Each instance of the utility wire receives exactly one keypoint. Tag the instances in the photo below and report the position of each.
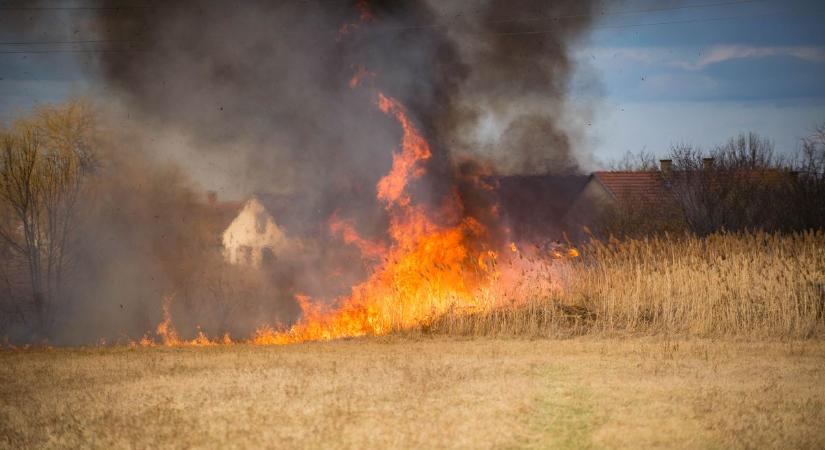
(638, 11)
(513, 33)
(670, 22)
(71, 8)
(91, 41)
(9, 52)
(97, 8)
(602, 14)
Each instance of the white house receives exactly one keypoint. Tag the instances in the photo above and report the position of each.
(253, 238)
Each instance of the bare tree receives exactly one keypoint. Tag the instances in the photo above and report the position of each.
(635, 162)
(808, 190)
(43, 161)
(737, 186)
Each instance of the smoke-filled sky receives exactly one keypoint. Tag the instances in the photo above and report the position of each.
(645, 73)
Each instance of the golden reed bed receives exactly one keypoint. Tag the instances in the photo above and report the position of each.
(755, 284)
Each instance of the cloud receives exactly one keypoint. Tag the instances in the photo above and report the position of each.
(722, 53)
(693, 59)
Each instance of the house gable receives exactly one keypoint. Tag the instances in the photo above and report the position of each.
(253, 237)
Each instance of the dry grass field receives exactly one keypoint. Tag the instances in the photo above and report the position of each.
(758, 285)
(653, 343)
(420, 393)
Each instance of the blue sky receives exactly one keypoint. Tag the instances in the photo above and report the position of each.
(695, 71)
(705, 73)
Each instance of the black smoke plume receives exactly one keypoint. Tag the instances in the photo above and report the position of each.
(270, 81)
(280, 97)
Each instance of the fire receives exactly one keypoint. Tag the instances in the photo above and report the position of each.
(407, 164)
(368, 249)
(427, 269)
(169, 337)
(361, 74)
(364, 16)
(438, 258)
(165, 329)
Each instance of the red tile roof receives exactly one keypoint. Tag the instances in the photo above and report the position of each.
(647, 188)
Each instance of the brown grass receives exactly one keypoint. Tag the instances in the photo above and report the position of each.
(752, 285)
(431, 393)
(670, 383)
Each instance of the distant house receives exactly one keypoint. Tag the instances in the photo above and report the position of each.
(643, 189)
(665, 199)
(534, 206)
(253, 238)
(267, 225)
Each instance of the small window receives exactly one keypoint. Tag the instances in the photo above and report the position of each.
(267, 257)
(260, 223)
(246, 251)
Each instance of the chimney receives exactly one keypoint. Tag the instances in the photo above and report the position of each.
(212, 198)
(707, 163)
(665, 165)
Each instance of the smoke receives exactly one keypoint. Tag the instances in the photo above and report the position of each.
(511, 104)
(280, 97)
(269, 82)
(265, 92)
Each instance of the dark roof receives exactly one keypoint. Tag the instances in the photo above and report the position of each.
(295, 215)
(223, 213)
(534, 205)
(553, 193)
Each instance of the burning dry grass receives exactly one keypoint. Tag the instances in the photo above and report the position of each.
(724, 285)
(433, 393)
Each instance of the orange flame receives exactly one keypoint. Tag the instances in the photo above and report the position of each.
(427, 269)
(405, 165)
(364, 15)
(361, 74)
(169, 336)
(368, 249)
(165, 329)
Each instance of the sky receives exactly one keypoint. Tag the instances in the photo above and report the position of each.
(651, 73)
(701, 71)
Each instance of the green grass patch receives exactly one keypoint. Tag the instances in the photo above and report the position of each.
(562, 416)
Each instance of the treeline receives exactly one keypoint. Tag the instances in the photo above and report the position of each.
(741, 185)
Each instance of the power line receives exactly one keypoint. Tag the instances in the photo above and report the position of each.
(632, 12)
(638, 11)
(91, 41)
(513, 33)
(591, 16)
(671, 22)
(98, 8)
(72, 8)
(9, 52)
(570, 16)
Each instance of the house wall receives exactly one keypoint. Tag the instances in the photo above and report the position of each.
(252, 235)
(593, 199)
